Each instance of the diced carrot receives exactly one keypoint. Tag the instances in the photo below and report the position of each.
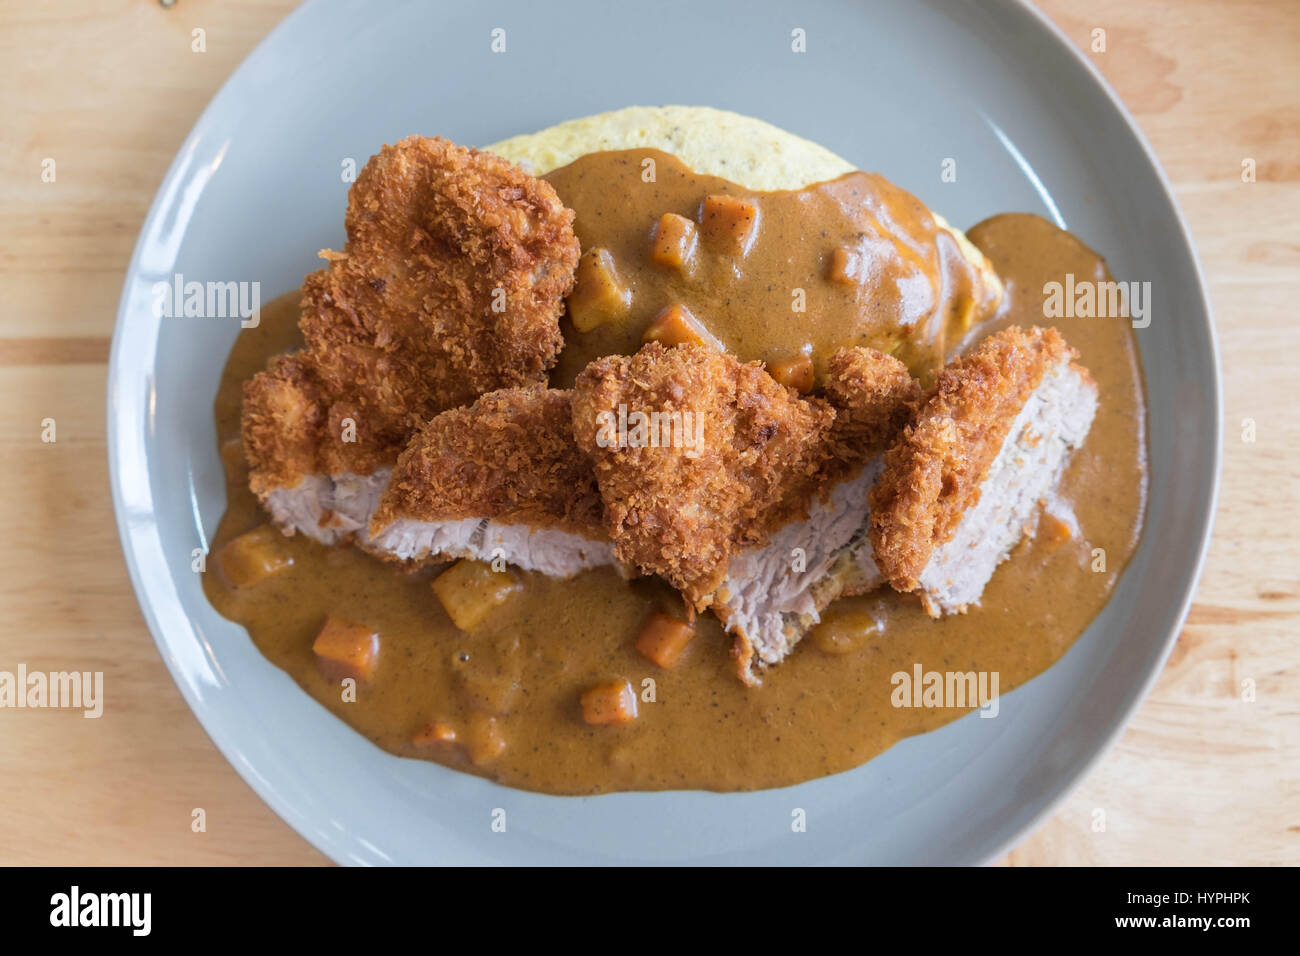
(844, 631)
(674, 242)
(675, 325)
(344, 649)
(468, 590)
(437, 733)
(598, 295)
(610, 702)
(253, 557)
(797, 373)
(663, 638)
(729, 223)
(484, 741)
(845, 266)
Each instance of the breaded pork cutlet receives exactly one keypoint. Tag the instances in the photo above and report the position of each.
(451, 284)
(991, 441)
(765, 522)
(691, 449)
(501, 478)
(300, 479)
(816, 547)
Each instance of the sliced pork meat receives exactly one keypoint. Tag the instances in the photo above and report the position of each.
(764, 521)
(691, 450)
(818, 548)
(500, 479)
(774, 594)
(329, 508)
(961, 487)
(451, 284)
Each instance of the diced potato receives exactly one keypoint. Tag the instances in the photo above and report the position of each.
(435, 734)
(610, 702)
(675, 325)
(488, 673)
(845, 266)
(963, 312)
(344, 649)
(253, 557)
(844, 632)
(484, 741)
(620, 755)
(729, 223)
(674, 242)
(796, 373)
(1055, 532)
(232, 457)
(598, 295)
(468, 590)
(663, 638)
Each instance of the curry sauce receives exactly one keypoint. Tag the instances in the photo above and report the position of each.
(512, 686)
(852, 261)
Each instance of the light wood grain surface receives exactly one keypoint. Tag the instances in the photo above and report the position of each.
(109, 88)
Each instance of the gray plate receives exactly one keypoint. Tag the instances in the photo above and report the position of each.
(895, 87)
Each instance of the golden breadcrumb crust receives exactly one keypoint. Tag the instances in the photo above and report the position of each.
(872, 396)
(283, 417)
(451, 284)
(509, 456)
(933, 474)
(681, 512)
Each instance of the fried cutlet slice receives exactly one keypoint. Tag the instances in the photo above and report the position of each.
(991, 441)
(501, 478)
(287, 420)
(764, 521)
(451, 284)
(817, 548)
(691, 450)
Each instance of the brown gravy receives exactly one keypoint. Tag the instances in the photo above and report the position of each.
(919, 296)
(817, 713)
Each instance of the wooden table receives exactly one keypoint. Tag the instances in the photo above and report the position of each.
(109, 89)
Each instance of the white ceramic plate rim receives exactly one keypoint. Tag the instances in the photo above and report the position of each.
(1120, 721)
